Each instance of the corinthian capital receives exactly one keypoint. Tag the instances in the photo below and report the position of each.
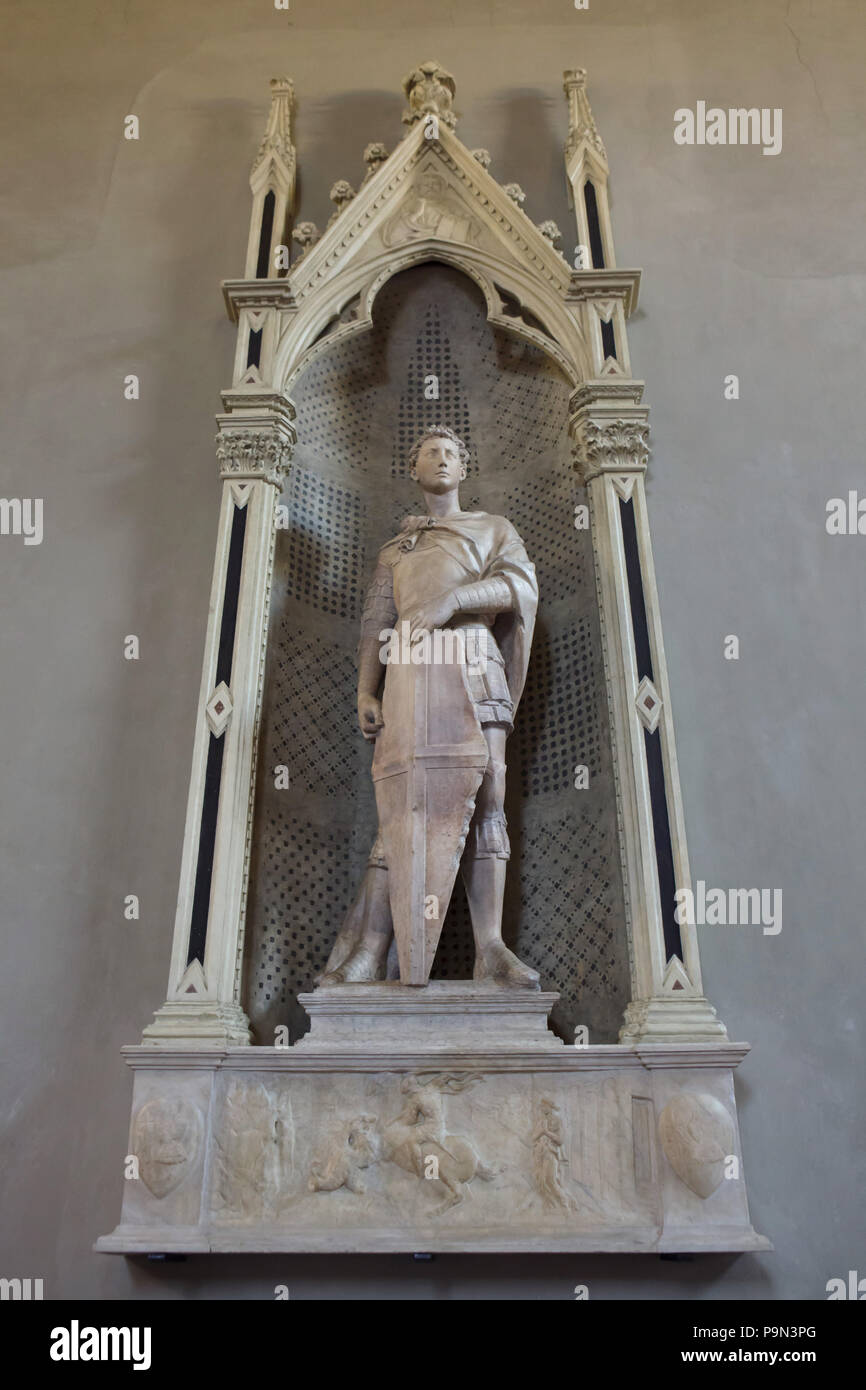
(261, 454)
(613, 445)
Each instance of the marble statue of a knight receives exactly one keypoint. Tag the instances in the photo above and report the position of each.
(440, 728)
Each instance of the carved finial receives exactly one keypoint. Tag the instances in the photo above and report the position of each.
(429, 91)
(483, 157)
(515, 193)
(306, 234)
(550, 231)
(342, 194)
(581, 122)
(277, 143)
(374, 157)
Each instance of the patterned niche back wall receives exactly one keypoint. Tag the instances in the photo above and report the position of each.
(359, 410)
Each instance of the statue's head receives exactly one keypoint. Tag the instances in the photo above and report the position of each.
(438, 460)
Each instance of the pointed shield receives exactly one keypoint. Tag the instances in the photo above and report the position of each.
(166, 1138)
(428, 765)
(697, 1135)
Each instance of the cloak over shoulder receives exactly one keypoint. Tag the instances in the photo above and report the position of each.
(480, 546)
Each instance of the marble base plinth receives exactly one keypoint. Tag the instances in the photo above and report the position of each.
(383, 1131)
(444, 1016)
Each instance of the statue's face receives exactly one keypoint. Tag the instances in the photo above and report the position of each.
(438, 468)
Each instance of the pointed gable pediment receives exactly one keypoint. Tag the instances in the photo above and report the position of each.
(431, 191)
(431, 199)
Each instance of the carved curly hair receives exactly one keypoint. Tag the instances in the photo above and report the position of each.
(438, 432)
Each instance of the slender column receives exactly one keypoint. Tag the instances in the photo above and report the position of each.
(254, 446)
(609, 428)
(610, 431)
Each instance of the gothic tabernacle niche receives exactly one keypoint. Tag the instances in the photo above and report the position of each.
(576, 1095)
(359, 410)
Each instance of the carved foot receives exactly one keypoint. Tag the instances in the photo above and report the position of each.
(362, 967)
(452, 1200)
(497, 964)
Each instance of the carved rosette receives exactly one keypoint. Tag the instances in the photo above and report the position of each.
(254, 454)
(615, 445)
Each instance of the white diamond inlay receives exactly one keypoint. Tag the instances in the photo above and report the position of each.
(218, 709)
(648, 704)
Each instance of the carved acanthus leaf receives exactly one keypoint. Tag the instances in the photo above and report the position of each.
(612, 444)
(515, 193)
(341, 195)
(254, 454)
(306, 234)
(550, 231)
(374, 157)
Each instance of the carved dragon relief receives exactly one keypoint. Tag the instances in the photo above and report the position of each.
(395, 1150)
(416, 1141)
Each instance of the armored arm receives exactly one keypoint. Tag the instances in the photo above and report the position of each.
(380, 612)
(487, 596)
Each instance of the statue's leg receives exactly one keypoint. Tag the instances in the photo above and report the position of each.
(484, 865)
(361, 950)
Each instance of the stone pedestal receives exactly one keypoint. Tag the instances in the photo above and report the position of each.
(446, 1016)
(447, 1118)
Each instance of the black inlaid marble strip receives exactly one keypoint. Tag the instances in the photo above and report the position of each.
(595, 244)
(608, 339)
(206, 844)
(654, 759)
(254, 348)
(639, 624)
(230, 597)
(216, 746)
(262, 266)
(664, 848)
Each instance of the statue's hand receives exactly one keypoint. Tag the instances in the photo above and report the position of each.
(430, 615)
(370, 716)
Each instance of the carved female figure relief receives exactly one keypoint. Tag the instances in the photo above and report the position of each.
(453, 599)
(548, 1157)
